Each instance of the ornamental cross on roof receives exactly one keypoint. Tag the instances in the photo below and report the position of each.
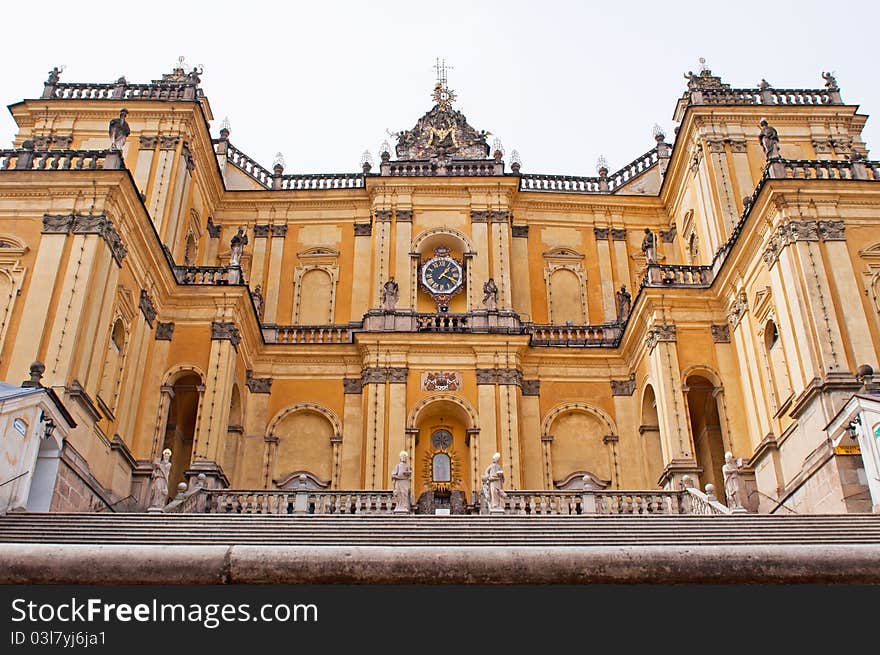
(443, 95)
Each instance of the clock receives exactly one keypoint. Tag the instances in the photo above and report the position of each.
(441, 439)
(441, 275)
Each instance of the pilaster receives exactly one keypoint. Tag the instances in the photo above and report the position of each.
(606, 277)
(270, 311)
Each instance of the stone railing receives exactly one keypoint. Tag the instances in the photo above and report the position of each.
(697, 502)
(311, 334)
(676, 275)
(601, 184)
(824, 169)
(767, 96)
(207, 275)
(39, 160)
(443, 322)
(318, 181)
(638, 502)
(247, 165)
(454, 167)
(556, 503)
(350, 502)
(114, 91)
(586, 336)
(225, 501)
(192, 500)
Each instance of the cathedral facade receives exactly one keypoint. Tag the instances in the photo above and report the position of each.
(715, 301)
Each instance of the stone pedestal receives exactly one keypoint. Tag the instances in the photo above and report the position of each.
(214, 476)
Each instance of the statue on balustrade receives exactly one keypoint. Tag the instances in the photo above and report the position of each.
(624, 304)
(119, 131)
(239, 241)
(769, 140)
(732, 481)
(830, 81)
(495, 493)
(257, 295)
(400, 482)
(649, 246)
(490, 294)
(159, 480)
(54, 76)
(390, 293)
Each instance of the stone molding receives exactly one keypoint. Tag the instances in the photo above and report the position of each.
(98, 224)
(225, 330)
(623, 387)
(499, 376)
(499, 216)
(352, 385)
(164, 331)
(519, 230)
(404, 216)
(383, 215)
(531, 387)
(257, 385)
(602, 233)
(148, 142)
(618, 234)
(363, 229)
(146, 306)
(188, 157)
(382, 374)
(794, 231)
(721, 333)
(168, 142)
(660, 332)
(668, 236)
(278, 231)
(261, 231)
(479, 216)
(213, 230)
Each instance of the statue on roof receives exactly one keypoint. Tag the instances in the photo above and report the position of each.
(769, 138)
(830, 82)
(54, 76)
(119, 131)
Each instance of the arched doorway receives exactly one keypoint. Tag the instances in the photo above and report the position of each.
(183, 411)
(443, 461)
(706, 429)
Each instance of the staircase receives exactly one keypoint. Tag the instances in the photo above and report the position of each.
(217, 548)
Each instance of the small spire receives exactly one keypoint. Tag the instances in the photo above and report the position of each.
(366, 162)
(385, 151)
(602, 166)
(224, 128)
(37, 369)
(278, 163)
(659, 133)
(515, 161)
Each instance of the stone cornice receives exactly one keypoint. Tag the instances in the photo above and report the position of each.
(225, 330)
(383, 374)
(98, 224)
(147, 308)
(660, 332)
(257, 385)
(623, 387)
(499, 376)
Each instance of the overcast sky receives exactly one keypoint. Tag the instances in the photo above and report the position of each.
(561, 82)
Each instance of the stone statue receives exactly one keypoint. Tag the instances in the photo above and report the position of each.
(159, 480)
(257, 295)
(732, 482)
(624, 304)
(830, 82)
(400, 482)
(490, 294)
(54, 76)
(236, 247)
(649, 246)
(390, 294)
(769, 140)
(119, 131)
(495, 485)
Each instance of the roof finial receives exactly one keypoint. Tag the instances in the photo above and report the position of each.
(703, 67)
(442, 95)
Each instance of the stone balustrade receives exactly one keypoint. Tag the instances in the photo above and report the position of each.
(443, 322)
(638, 502)
(601, 184)
(207, 275)
(38, 160)
(823, 169)
(248, 166)
(697, 502)
(318, 181)
(454, 167)
(767, 96)
(116, 91)
(586, 336)
(409, 168)
(350, 502)
(556, 503)
(633, 169)
(678, 276)
(310, 334)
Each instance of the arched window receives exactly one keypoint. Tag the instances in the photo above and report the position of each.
(113, 364)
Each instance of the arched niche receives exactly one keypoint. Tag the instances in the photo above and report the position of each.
(579, 439)
(461, 247)
(304, 439)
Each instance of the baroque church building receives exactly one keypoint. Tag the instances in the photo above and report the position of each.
(696, 331)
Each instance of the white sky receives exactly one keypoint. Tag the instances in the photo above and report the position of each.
(560, 81)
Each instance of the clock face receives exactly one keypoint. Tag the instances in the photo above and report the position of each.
(442, 275)
(441, 439)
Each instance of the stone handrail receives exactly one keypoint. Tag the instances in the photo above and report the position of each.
(350, 502)
(39, 160)
(114, 91)
(767, 96)
(248, 166)
(601, 184)
(223, 501)
(207, 275)
(454, 167)
(443, 322)
(557, 503)
(318, 181)
(311, 334)
(607, 334)
(639, 502)
(677, 276)
(697, 502)
(409, 168)
(191, 501)
(824, 169)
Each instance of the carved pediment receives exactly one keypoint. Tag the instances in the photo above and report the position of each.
(318, 252)
(442, 132)
(562, 253)
(575, 481)
(301, 480)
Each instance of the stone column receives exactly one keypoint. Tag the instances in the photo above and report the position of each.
(402, 269)
(270, 311)
(353, 427)
(374, 379)
(166, 395)
(396, 437)
(606, 278)
(626, 415)
(133, 380)
(175, 235)
(163, 180)
(508, 396)
(336, 467)
(530, 424)
(382, 249)
(621, 260)
(500, 257)
(723, 183)
(146, 153)
(547, 461)
(360, 286)
(739, 152)
(490, 441)
(258, 260)
(472, 440)
(478, 266)
(521, 292)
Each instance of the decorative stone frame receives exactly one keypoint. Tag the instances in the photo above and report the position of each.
(12, 250)
(871, 275)
(463, 242)
(547, 437)
(559, 259)
(320, 258)
(335, 440)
